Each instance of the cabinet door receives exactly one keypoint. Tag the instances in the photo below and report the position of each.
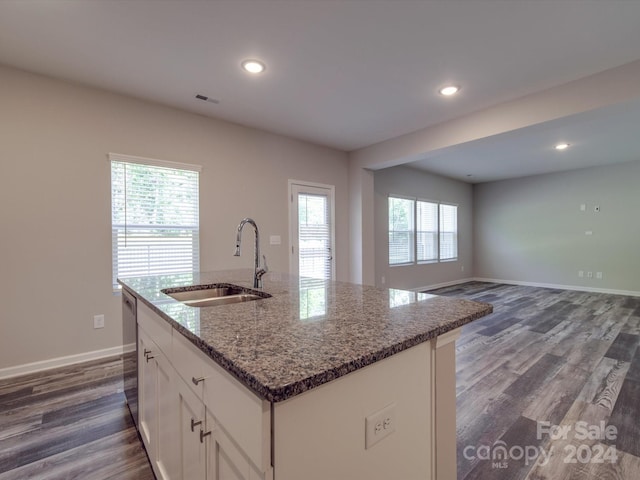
(166, 420)
(224, 460)
(157, 408)
(147, 387)
(191, 457)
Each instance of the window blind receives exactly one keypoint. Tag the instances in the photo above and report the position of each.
(421, 231)
(427, 231)
(448, 232)
(401, 230)
(154, 218)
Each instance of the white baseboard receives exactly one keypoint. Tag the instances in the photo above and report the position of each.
(442, 285)
(42, 365)
(579, 288)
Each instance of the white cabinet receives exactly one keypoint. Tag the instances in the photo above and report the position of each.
(200, 423)
(236, 429)
(196, 421)
(147, 381)
(157, 407)
(225, 460)
(191, 438)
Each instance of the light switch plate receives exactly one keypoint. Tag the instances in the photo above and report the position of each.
(275, 240)
(98, 321)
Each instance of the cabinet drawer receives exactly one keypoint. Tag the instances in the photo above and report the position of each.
(189, 363)
(157, 328)
(241, 413)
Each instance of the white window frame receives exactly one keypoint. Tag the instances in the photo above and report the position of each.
(415, 260)
(117, 157)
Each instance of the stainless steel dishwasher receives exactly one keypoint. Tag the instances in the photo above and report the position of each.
(130, 355)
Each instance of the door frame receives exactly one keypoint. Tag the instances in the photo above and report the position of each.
(293, 221)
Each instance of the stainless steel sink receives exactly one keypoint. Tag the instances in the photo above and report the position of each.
(215, 294)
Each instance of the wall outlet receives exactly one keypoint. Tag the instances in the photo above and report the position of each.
(599, 275)
(383, 280)
(589, 274)
(462, 268)
(98, 321)
(581, 273)
(379, 425)
(589, 232)
(583, 207)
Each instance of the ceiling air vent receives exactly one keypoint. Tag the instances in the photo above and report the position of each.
(207, 99)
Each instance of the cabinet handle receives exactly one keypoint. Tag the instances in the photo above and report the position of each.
(194, 423)
(203, 434)
(196, 381)
(149, 357)
(146, 352)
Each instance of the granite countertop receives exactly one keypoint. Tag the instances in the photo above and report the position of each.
(309, 332)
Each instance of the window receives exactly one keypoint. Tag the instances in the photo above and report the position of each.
(434, 238)
(448, 232)
(154, 217)
(401, 230)
(427, 231)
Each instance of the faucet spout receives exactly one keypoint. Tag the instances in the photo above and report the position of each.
(258, 272)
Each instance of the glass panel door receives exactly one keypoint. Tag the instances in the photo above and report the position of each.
(312, 243)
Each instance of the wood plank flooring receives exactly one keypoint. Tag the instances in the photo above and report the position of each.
(544, 355)
(548, 357)
(69, 423)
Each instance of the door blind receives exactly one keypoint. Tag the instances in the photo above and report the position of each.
(314, 236)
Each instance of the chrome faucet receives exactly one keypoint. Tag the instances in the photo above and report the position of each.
(259, 272)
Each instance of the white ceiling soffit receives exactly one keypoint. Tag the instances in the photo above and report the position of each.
(345, 74)
(604, 136)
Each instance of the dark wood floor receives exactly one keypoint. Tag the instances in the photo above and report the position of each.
(543, 356)
(69, 423)
(567, 358)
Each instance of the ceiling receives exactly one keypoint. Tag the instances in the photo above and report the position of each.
(605, 136)
(346, 73)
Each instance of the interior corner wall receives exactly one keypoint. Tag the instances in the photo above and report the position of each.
(410, 182)
(533, 230)
(55, 203)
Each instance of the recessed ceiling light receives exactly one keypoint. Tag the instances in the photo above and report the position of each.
(253, 66)
(449, 90)
(562, 146)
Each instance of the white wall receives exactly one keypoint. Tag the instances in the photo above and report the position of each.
(415, 183)
(610, 87)
(55, 203)
(532, 229)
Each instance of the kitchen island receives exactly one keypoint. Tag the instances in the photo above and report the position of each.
(325, 380)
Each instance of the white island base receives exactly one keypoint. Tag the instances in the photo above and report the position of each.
(320, 434)
(199, 422)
